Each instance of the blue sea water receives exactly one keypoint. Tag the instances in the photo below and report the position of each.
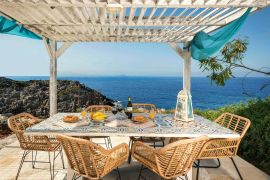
(162, 91)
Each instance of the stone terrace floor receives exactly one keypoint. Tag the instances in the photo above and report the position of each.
(11, 154)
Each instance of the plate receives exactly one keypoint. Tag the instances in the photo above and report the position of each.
(71, 119)
(139, 119)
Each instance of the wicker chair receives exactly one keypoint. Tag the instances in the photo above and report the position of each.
(222, 148)
(103, 108)
(171, 161)
(141, 108)
(31, 143)
(91, 160)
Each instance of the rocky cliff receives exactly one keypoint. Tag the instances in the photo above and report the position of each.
(33, 96)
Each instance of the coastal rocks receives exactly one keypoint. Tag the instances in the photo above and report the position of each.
(33, 96)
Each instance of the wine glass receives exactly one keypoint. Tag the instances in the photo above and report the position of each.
(119, 106)
(114, 109)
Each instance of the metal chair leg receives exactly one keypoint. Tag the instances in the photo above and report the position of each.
(75, 177)
(106, 144)
(129, 156)
(34, 158)
(25, 152)
(217, 166)
(62, 157)
(119, 176)
(140, 172)
(236, 168)
(198, 170)
(51, 165)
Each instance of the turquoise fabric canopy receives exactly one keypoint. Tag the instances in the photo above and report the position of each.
(11, 27)
(204, 45)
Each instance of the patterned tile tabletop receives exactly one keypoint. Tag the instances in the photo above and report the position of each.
(163, 125)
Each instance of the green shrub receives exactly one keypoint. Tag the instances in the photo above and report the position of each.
(255, 147)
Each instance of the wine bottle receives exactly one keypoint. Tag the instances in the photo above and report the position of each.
(129, 108)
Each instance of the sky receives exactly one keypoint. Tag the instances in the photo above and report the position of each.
(27, 57)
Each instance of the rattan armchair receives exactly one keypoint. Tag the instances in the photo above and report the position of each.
(142, 108)
(103, 108)
(91, 160)
(222, 148)
(171, 161)
(34, 143)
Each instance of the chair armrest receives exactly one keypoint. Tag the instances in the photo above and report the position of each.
(217, 148)
(118, 149)
(141, 145)
(115, 157)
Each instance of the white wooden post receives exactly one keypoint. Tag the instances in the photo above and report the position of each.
(53, 79)
(186, 68)
(185, 54)
(54, 54)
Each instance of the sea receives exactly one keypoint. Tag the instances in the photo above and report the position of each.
(162, 91)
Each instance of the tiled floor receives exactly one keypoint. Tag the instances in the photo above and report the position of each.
(10, 157)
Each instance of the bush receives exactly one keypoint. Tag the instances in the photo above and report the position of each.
(255, 147)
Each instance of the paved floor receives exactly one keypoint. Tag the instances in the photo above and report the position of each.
(10, 157)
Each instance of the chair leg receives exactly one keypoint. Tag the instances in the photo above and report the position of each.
(106, 144)
(119, 175)
(129, 155)
(110, 142)
(186, 177)
(62, 158)
(163, 143)
(34, 159)
(236, 168)
(51, 165)
(198, 170)
(22, 161)
(140, 172)
(217, 166)
(75, 177)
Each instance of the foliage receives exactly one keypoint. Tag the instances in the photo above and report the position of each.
(255, 147)
(230, 57)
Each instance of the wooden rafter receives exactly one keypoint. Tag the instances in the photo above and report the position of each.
(170, 21)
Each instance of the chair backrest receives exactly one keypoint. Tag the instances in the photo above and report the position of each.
(144, 106)
(104, 108)
(84, 157)
(234, 122)
(176, 159)
(19, 123)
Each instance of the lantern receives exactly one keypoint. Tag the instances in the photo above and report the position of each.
(183, 110)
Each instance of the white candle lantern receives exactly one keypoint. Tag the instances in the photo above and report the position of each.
(183, 110)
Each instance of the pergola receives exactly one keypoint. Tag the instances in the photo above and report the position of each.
(161, 21)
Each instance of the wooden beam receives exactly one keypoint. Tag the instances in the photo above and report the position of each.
(62, 49)
(48, 47)
(177, 49)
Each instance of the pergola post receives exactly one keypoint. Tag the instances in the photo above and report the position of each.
(53, 79)
(54, 54)
(186, 68)
(186, 56)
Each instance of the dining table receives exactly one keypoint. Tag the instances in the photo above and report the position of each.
(118, 125)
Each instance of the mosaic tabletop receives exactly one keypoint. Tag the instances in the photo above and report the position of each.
(163, 125)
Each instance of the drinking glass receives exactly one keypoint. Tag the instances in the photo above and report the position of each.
(84, 114)
(152, 114)
(114, 110)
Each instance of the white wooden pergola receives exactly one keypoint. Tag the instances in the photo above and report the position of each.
(161, 21)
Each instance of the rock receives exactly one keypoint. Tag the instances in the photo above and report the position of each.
(33, 96)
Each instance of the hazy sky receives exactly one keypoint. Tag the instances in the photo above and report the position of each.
(27, 57)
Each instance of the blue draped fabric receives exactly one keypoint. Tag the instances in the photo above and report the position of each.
(11, 27)
(204, 45)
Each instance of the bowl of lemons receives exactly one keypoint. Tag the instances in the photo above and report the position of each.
(98, 116)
